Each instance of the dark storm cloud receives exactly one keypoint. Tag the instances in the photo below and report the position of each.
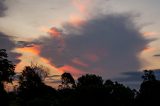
(3, 7)
(106, 45)
(9, 45)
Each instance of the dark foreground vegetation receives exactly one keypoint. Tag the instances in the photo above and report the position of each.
(89, 89)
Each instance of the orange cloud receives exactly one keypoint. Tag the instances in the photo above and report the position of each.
(40, 60)
(54, 32)
(47, 61)
(29, 53)
(148, 49)
(76, 20)
(71, 69)
(150, 33)
(33, 50)
(81, 5)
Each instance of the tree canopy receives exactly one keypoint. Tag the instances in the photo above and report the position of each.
(89, 89)
(90, 80)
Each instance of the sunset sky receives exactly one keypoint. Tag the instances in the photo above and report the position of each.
(104, 37)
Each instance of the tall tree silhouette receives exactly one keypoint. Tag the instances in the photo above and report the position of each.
(6, 73)
(67, 81)
(6, 67)
(149, 92)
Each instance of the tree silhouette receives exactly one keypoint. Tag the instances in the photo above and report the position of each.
(89, 89)
(108, 83)
(32, 76)
(149, 92)
(90, 80)
(148, 75)
(6, 67)
(6, 74)
(67, 81)
(123, 95)
(31, 81)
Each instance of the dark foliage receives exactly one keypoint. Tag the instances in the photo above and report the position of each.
(90, 80)
(67, 81)
(6, 74)
(31, 85)
(148, 75)
(6, 67)
(31, 77)
(149, 92)
(89, 89)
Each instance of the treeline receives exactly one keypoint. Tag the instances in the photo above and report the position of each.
(89, 89)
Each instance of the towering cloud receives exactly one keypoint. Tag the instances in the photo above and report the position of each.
(107, 45)
(2, 7)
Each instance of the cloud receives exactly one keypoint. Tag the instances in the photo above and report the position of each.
(131, 79)
(105, 44)
(3, 7)
(134, 79)
(156, 55)
(5, 40)
(131, 76)
(9, 45)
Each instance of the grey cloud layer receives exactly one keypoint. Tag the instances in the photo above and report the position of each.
(108, 44)
(9, 45)
(6, 41)
(3, 7)
(134, 79)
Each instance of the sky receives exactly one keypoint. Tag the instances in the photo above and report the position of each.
(105, 37)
